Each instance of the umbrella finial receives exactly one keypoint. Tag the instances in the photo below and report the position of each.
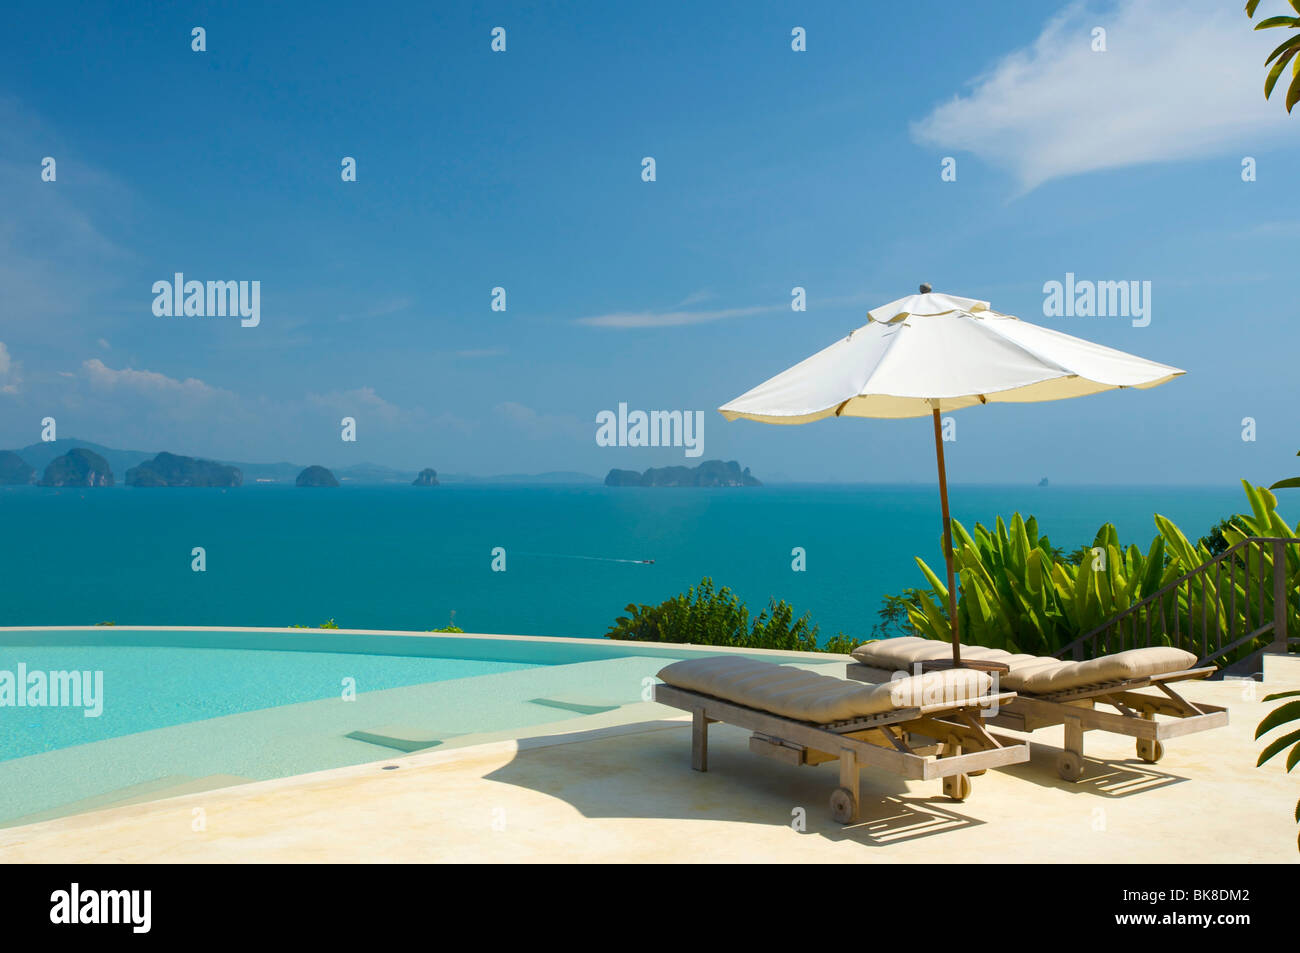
(925, 288)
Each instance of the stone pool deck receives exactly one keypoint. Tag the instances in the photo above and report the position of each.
(617, 787)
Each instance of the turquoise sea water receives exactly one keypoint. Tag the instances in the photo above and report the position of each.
(405, 557)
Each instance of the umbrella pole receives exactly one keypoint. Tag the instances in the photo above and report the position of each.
(947, 538)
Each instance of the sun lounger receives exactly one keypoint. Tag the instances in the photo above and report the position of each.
(1051, 691)
(802, 718)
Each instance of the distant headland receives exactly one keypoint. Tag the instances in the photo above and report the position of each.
(708, 473)
(24, 466)
(169, 469)
(14, 470)
(316, 476)
(79, 467)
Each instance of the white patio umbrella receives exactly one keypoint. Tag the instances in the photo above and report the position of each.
(929, 353)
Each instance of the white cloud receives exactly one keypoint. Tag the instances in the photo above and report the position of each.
(55, 263)
(9, 377)
(144, 382)
(357, 402)
(665, 319)
(539, 425)
(1176, 82)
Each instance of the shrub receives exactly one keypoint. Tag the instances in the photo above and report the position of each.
(1018, 592)
(451, 625)
(705, 615)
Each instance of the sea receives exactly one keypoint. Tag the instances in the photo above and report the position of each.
(529, 560)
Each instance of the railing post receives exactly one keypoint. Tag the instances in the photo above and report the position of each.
(1281, 600)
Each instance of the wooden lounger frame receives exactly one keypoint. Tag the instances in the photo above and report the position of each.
(1134, 715)
(960, 745)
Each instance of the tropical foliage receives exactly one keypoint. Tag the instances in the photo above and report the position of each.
(705, 615)
(1017, 592)
(1279, 716)
(1289, 482)
(1288, 51)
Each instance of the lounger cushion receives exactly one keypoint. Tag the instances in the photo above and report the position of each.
(1030, 674)
(807, 696)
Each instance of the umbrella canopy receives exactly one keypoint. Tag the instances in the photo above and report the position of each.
(928, 353)
(930, 348)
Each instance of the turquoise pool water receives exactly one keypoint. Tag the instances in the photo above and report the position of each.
(186, 711)
(147, 687)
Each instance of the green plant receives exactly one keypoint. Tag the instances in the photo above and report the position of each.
(1279, 716)
(1289, 483)
(1241, 596)
(451, 625)
(327, 624)
(705, 615)
(893, 615)
(1215, 542)
(1017, 592)
(1286, 51)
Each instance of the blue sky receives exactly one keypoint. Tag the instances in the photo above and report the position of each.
(522, 169)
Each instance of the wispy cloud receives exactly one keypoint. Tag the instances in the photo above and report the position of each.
(359, 400)
(9, 372)
(145, 382)
(480, 352)
(54, 260)
(539, 425)
(378, 309)
(1174, 83)
(667, 319)
(1270, 230)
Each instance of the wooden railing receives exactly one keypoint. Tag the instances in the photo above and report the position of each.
(1213, 611)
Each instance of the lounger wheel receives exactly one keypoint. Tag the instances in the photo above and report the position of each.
(844, 806)
(957, 786)
(1150, 750)
(1069, 766)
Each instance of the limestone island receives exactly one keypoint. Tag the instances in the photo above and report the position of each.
(79, 467)
(708, 473)
(427, 477)
(316, 476)
(14, 470)
(169, 469)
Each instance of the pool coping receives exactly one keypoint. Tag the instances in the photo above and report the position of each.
(614, 647)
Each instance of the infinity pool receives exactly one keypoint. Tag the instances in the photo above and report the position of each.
(143, 688)
(181, 711)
